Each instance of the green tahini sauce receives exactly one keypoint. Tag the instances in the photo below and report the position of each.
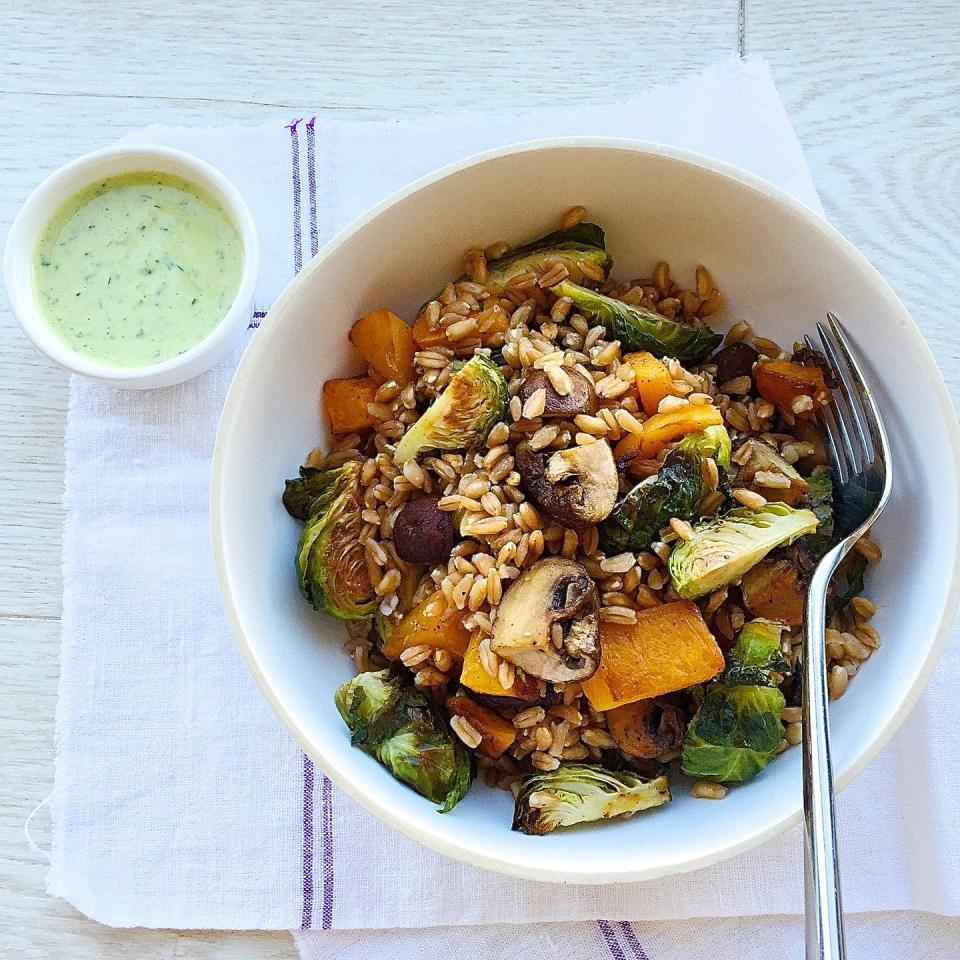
(137, 268)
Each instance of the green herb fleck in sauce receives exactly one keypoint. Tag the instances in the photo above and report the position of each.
(136, 269)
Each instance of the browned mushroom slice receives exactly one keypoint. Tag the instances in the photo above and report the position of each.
(548, 622)
(576, 487)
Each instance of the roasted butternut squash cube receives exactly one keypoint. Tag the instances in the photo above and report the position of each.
(669, 648)
(433, 622)
(664, 428)
(386, 343)
(345, 403)
(475, 678)
(498, 734)
(652, 379)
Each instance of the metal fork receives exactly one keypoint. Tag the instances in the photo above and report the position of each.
(860, 460)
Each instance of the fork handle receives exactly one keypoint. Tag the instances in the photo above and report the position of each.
(824, 912)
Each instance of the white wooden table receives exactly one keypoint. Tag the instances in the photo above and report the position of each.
(873, 87)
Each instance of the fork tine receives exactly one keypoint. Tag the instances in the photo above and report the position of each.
(832, 434)
(843, 412)
(864, 404)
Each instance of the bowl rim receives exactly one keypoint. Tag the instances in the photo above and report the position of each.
(57, 187)
(229, 421)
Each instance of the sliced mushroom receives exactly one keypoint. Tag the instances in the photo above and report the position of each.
(581, 399)
(576, 487)
(647, 728)
(548, 622)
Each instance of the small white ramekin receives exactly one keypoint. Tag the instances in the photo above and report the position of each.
(64, 183)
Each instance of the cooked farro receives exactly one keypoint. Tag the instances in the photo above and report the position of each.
(505, 501)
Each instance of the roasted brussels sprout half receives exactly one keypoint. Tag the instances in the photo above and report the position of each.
(331, 568)
(581, 792)
(675, 490)
(306, 494)
(584, 242)
(640, 329)
(402, 728)
(553, 592)
(723, 550)
(737, 728)
(472, 402)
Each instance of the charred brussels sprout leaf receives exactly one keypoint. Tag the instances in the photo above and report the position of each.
(723, 550)
(639, 329)
(472, 402)
(847, 585)
(820, 501)
(405, 731)
(674, 491)
(584, 242)
(737, 728)
(579, 793)
(331, 569)
(307, 493)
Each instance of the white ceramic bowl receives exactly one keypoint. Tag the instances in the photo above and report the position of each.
(74, 176)
(781, 268)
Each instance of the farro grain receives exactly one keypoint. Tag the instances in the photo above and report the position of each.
(681, 528)
(465, 731)
(671, 403)
(618, 615)
(769, 348)
(868, 549)
(801, 404)
(584, 439)
(554, 275)
(591, 270)
(619, 563)
(591, 424)
(708, 790)
(529, 718)
(544, 761)
(575, 752)
(419, 653)
(596, 737)
(772, 480)
(749, 499)
(572, 217)
(570, 542)
(498, 435)
(559, 379)
(739, 331)
(535, 404)
(506, 674)
(656, 579)
(837, 681)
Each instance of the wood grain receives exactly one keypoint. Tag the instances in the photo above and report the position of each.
(873, 89)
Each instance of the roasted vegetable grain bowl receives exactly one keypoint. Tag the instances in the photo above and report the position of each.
(560, 490)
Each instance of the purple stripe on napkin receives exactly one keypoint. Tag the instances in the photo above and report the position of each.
(307, 853)
(312, 186)
(610, 939)
(306, 910)
(297, 236)
(630, 935)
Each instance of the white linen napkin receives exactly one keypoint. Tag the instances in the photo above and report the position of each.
(179, 799)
